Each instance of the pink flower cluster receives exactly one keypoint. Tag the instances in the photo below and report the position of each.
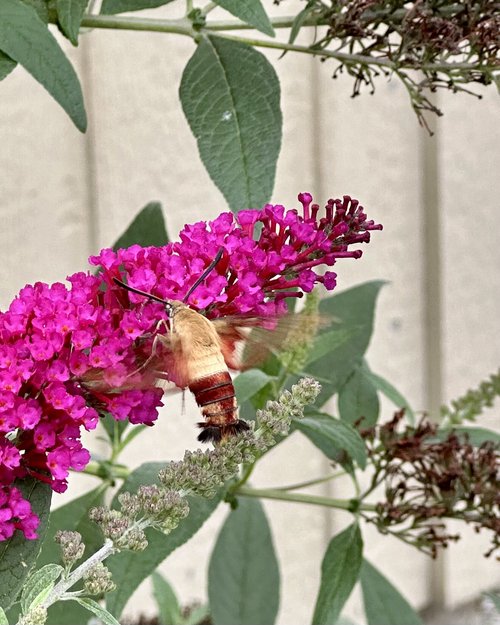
(71, 354)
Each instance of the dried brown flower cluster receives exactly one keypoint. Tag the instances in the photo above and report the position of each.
(450, 44)
(430, 476)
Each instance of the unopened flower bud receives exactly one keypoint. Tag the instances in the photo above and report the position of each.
(36, 616)
(130, 504)
(71, 544)
(98, 580)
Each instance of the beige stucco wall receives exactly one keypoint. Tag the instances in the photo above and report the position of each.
(64, 196)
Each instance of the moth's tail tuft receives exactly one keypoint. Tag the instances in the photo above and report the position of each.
(215, 433)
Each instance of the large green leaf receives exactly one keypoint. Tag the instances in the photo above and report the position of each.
(230, 95)
(354, 310)
(69, 16)
(27, 40)
(147, 228)
(250, 382)
(332, 435)
(6, 65)
(358, 399)
(130, 569)
(18, 555)
(110, 7)
(339, 573)
(243, 574)
(251, 11)
(383, 603)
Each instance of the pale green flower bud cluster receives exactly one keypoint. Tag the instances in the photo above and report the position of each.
(275, 419)
(98, 580)
(203, 472)
(299, 340)
(72, 547)
(473, 403)
(36, 616)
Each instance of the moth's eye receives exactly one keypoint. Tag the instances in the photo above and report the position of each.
(169, 309)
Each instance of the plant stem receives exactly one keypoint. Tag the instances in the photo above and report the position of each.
(270, 493)
(114, 471)
(318, 480)
(183, 27)
(60, 588)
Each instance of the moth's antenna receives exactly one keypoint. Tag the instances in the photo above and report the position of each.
(138, 292)
(205, 273)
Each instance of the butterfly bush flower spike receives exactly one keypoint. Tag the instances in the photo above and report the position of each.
(70, 354)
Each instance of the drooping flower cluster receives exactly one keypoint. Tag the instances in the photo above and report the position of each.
(431, 475)
(71, 354)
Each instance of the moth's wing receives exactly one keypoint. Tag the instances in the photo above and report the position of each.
(169, 364)
(248, 341)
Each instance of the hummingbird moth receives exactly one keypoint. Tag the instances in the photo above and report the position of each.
(196, 354)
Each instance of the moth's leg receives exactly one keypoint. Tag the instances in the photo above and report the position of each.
(154, 347)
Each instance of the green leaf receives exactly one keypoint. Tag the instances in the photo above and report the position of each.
(3, 618)
(69, 16)
(102, 614)
(230, 95)
(297, 23)
(251, 12)
(147, 228)
(250, 382)
(354, 310)
(358, 399)
(339, 573)
(243, 574)
(332, 435)
(130, 569)
(329, 341)
(18, 555)
(40, 7)
(197, 615)
(494, 598)
(169, 612)
(475, 435)
(6, 65)
(390, 392)
(36, 586)
(110, 7)
(27, 40)
(384, 603)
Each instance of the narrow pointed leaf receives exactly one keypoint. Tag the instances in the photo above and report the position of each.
(103, 615)
(249, 382)
(358, 399)
(69, 16)
(384, 603)
(6, 65)
(130, 569)
(332, 436)
(475, 435)
(27, 40)
(230, 95)
(243, 574)
(147, 228)
(354, 311)
(110, 7)
(37, 583)
(251, 12)
(169, 611)
(391, 393)
(18, 555)
(339, 573)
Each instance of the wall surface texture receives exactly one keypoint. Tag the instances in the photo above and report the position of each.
(64, 196)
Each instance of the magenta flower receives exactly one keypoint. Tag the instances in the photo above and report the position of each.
(69, 355)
